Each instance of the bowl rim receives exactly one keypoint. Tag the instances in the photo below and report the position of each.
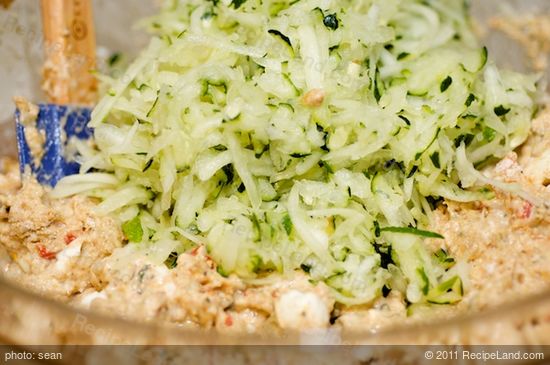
(394, 334)
(523, 306)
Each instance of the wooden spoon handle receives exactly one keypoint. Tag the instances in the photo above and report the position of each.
(70, 51)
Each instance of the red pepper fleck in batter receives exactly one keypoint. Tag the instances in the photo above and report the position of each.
(229, 321)
(70, 237)
(45, 254)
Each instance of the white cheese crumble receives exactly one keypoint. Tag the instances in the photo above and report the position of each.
(297, 310)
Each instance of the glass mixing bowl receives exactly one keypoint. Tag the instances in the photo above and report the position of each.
(29, 319)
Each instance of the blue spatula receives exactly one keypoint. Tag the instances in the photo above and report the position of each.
(59, 124)
(70, 56)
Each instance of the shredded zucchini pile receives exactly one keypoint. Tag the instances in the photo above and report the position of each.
(307, 134)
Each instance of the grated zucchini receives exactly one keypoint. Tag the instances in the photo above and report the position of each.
(305, 134)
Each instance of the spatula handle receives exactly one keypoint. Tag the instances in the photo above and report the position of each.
(70, 51)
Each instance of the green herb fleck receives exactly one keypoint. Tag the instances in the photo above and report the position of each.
(489, 134)
(501, 110)
(207, 15)
(325, 165)
(426, 282)
(331, 21)
(470, 100)
(448, 292)
(172, 260)
(411, 230)
(237, 3)
(133, 230)
(275, 32)
(300, 155)
(444, 259)
(402, 55)
(154, 105)
(435, 159)
(256, 264)
(405, 119)
(466, 138)
(229, 173)
(385, 253)
(219, 148)
(221, 271)
(445, 84)
(147, 165)
(287, 224)
(376, 229)
(412, 172)
(115, 57)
